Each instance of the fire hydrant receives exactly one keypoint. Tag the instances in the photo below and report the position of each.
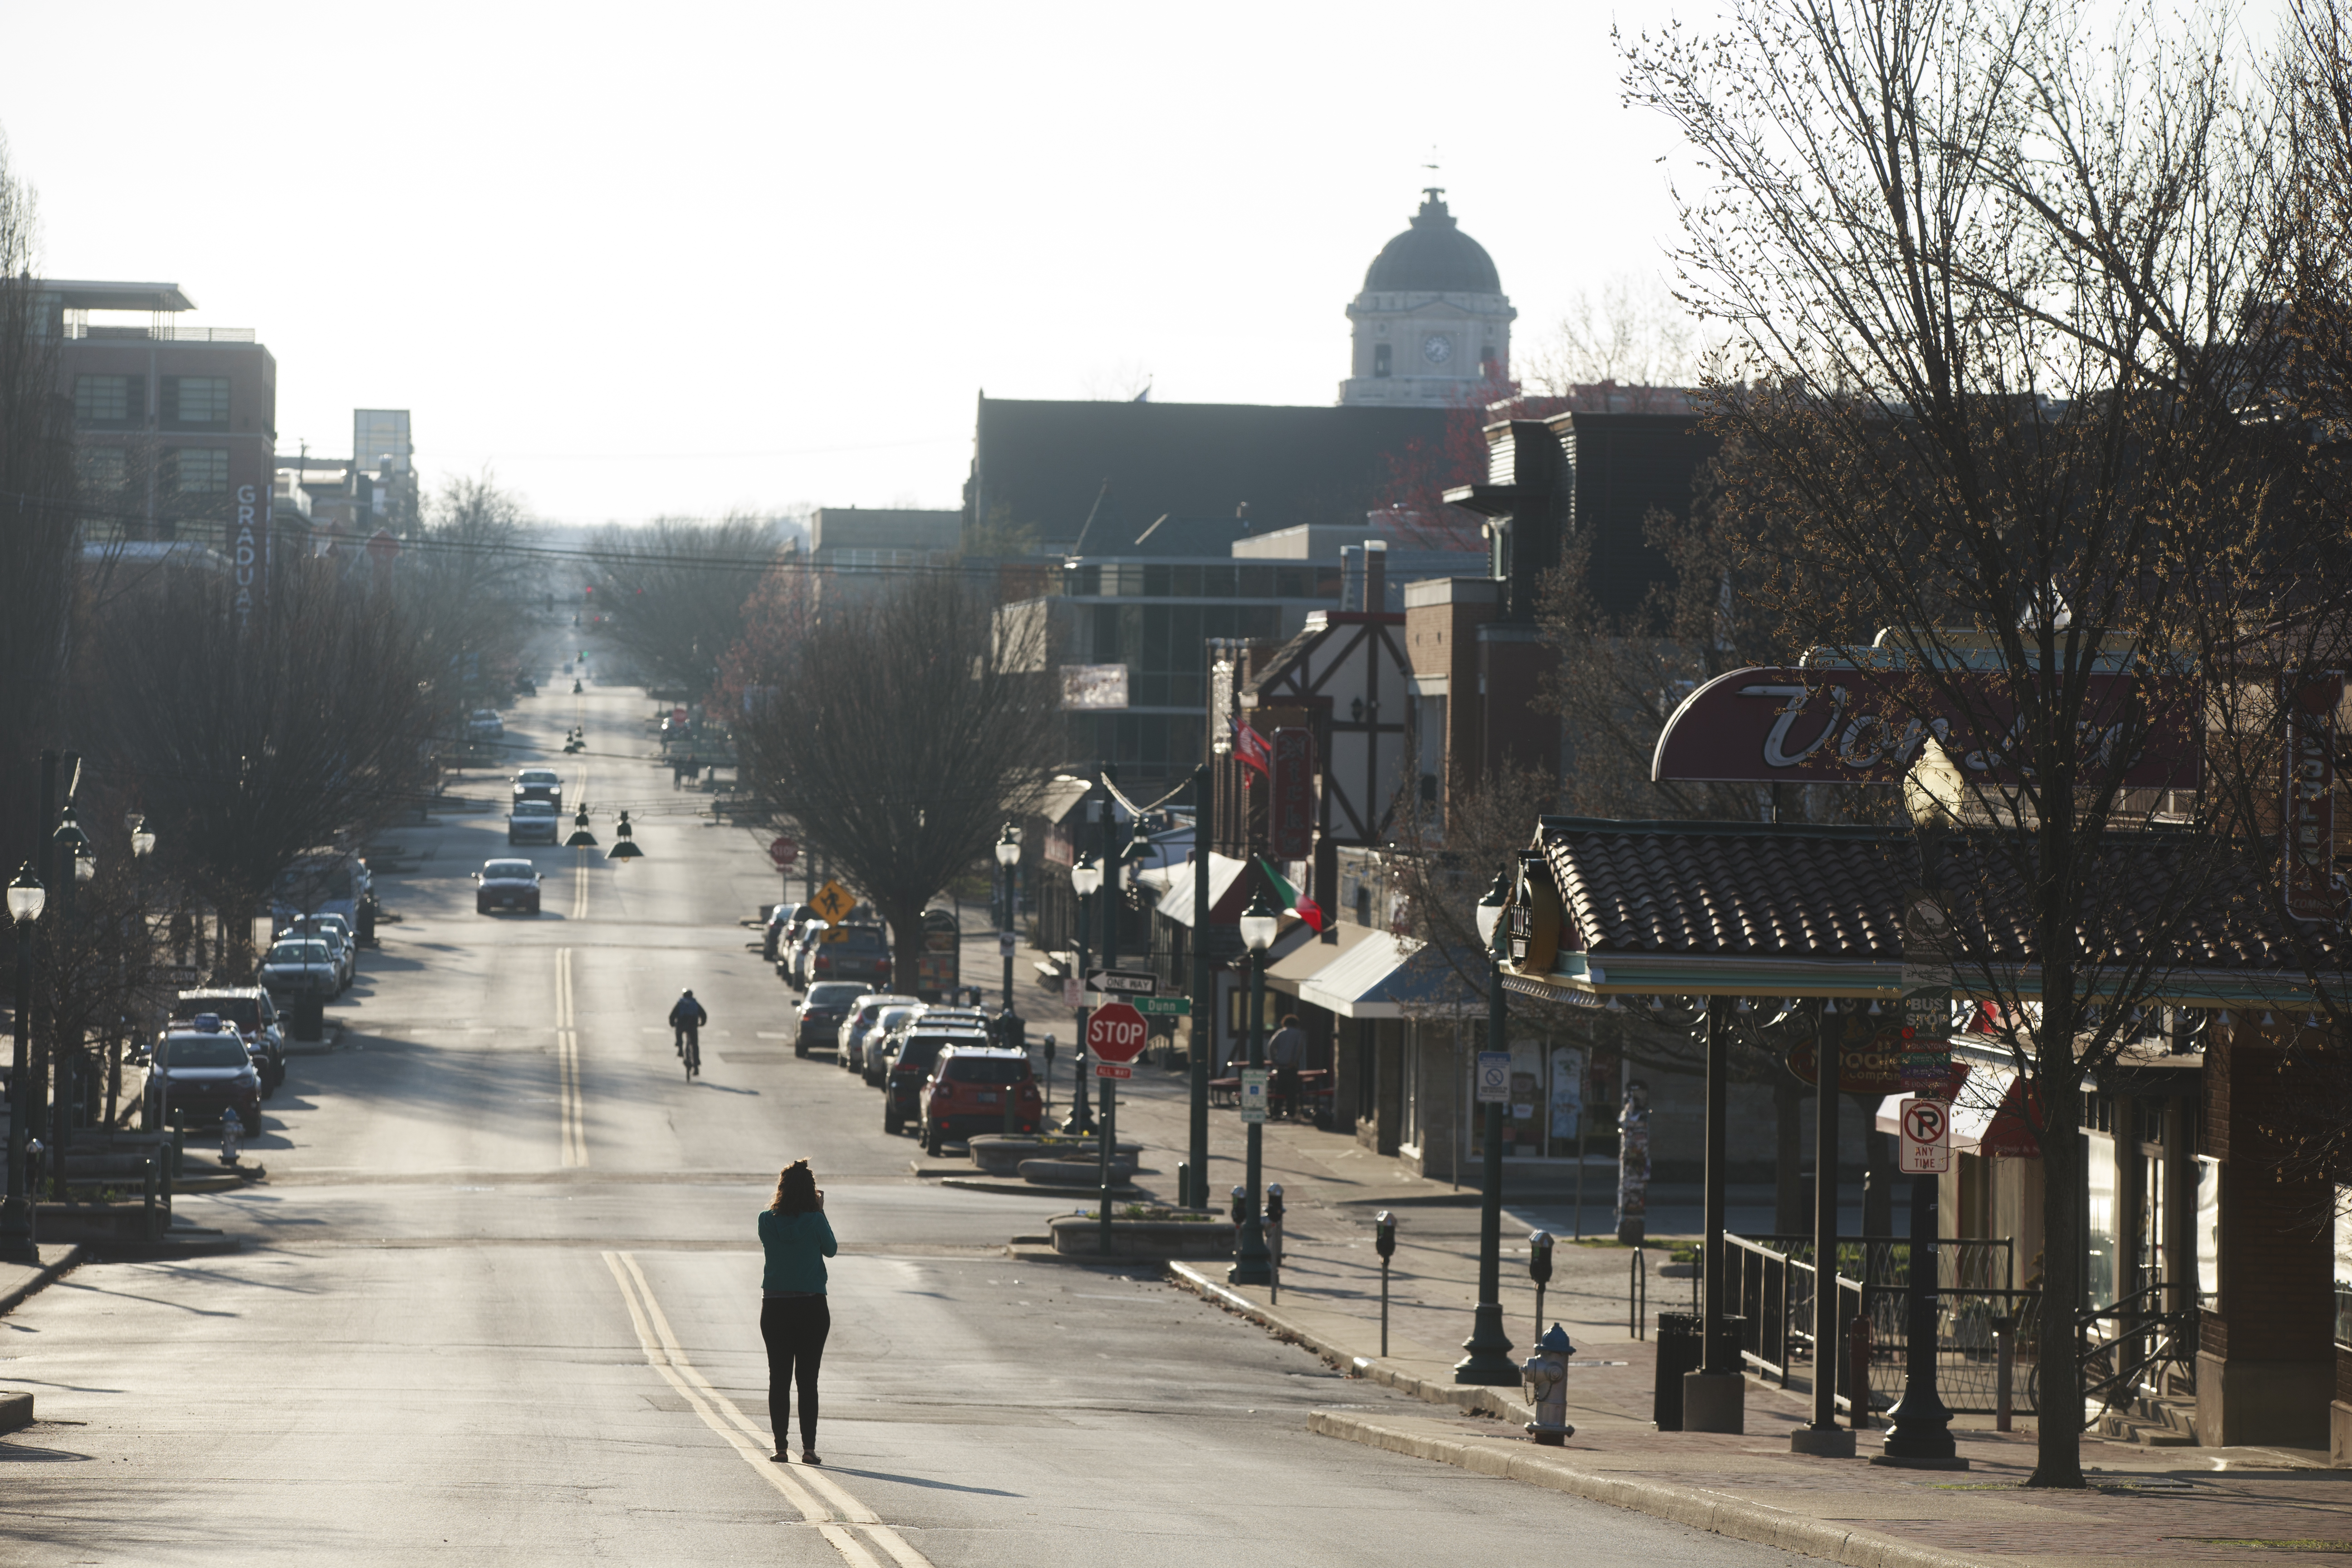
(1546, 1373)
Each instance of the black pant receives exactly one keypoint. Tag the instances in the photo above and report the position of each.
(795, 1328)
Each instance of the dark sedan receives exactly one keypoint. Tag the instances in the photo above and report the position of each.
(821, 1011)
(206, 1071)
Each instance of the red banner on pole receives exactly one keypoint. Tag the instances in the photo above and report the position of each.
(1293, 828)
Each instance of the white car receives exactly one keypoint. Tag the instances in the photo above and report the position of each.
(332, 931)
(863, 1023)
(486, 725)
(533, 822)
(302, 966)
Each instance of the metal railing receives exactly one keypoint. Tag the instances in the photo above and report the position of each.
(1966, 1347)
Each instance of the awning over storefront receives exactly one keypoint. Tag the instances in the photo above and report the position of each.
(1225, 889)
(1994, 1115)
(1293, 962)
(1378, 979)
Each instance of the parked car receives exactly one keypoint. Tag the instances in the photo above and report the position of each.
(484, 724)
(917, 1051)
(332, 931)
(850, 1050)
(539, 783)
(323, 883)
(848, 952)
(248, 1010)
(205, 1070)
(506, 885)
(301, 966)
(533, 822)
(821, 1013)
(781, 919)
(882, 1041)
(967, 1090)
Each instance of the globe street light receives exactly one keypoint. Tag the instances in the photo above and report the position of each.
(1252, 1265)
(25, 898)
(1086, 881)
(1489, 1359)
(1008, 856)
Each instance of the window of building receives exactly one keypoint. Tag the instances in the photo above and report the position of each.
(195, 400)
(200, 470)
(104, 400)
(1379, 361)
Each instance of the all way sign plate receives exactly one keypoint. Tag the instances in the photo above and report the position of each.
(1113, 1069)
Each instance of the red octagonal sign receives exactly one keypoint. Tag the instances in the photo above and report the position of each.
(1115, 1032)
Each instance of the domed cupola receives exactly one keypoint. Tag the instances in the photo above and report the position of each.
(1433, 256)
(1432, 327)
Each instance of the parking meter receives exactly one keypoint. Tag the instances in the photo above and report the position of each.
(1273, 1240)
(1241, 1205)
(1274, 1203)
(1049, 1075)
(1540, 1269)
(1384, 1243)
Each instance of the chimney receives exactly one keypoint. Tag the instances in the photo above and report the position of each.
(1241, 511)
(1376, 575)
(1351, 579)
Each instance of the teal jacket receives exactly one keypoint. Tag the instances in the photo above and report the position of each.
(797, 1246)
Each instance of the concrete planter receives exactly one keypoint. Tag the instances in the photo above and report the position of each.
(1002, 1156)
(1075, 1173)
(1076, 1236)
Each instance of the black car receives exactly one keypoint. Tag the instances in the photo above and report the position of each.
(918, 1051)
(821, 1011)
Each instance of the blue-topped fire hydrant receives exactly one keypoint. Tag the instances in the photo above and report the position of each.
(1546, 1373)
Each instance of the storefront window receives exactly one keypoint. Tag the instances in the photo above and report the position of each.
(1547, 1088)
(2099, 1228)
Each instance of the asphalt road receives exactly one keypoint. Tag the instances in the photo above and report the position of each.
(499, 1299)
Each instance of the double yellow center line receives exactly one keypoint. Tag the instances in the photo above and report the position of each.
(567, 1064)
(852, 1529)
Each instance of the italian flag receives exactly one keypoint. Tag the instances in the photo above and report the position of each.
(1296, 903)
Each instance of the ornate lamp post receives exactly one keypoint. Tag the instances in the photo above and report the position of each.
(1489, 1358)
(1086, 881)
(1252, 1264)
(26, 896)
(1008, 856)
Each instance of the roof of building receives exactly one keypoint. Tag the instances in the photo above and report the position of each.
(1755, 891)
(1047, 463)
(1433, 256)
(75, 294)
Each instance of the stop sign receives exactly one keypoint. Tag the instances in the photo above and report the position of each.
(784, 852)
(1115, 1033)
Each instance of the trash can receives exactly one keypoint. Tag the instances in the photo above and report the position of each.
(1679, 1351)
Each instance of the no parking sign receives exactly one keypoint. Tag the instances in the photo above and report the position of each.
(1494, 1077)
(1926, 1137)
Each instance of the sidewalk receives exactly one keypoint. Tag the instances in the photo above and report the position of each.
(2177, 1505)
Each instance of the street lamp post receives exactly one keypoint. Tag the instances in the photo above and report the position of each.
(1008, 856)
(1205, 995)
(1085, 878)
(1252, 1264)
(76, 866)
(1488, 1362)
(26, 896)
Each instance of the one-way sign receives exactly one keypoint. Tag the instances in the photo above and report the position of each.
(1132, 982)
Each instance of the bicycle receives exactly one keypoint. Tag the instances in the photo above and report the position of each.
(689, 1050)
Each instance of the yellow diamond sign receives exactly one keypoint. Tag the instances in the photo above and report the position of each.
(833, 901)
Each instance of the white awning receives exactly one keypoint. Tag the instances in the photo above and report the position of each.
(1177, 906)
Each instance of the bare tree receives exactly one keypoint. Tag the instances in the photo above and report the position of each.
(904, 725)
(1635, 337)
(461, 582)
(37, 519)
(2001, 298)
(673, 592)
(247, 746)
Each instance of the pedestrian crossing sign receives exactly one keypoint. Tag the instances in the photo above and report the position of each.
(833, 901)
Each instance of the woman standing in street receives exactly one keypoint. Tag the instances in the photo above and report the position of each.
(793, 1316)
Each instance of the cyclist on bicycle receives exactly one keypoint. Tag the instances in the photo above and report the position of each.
(686, 1018)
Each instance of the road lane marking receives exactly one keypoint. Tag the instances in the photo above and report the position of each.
(580, 859)
(822, 1501)
(570, 1126)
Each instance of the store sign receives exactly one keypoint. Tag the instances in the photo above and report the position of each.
(245, 551)
(1293, 827)
(2307, 809)
(1094, 686)
(1880, 1056)
(1842, 724)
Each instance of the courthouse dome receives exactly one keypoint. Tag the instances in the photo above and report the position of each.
(1433, 256)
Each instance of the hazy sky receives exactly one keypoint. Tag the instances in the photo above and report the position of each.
(693, 256)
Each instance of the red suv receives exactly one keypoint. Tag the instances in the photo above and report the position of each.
(968, 1091)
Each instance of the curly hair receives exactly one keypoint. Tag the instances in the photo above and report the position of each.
(795, 1189)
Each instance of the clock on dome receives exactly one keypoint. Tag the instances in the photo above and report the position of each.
(1437, 348)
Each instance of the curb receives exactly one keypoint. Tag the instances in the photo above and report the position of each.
(1460, 1397)
(1677, 1505)
(49, 1274)
(16, 1412)
(1032, 1189)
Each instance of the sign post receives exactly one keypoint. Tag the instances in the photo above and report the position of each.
(1115, 1033)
